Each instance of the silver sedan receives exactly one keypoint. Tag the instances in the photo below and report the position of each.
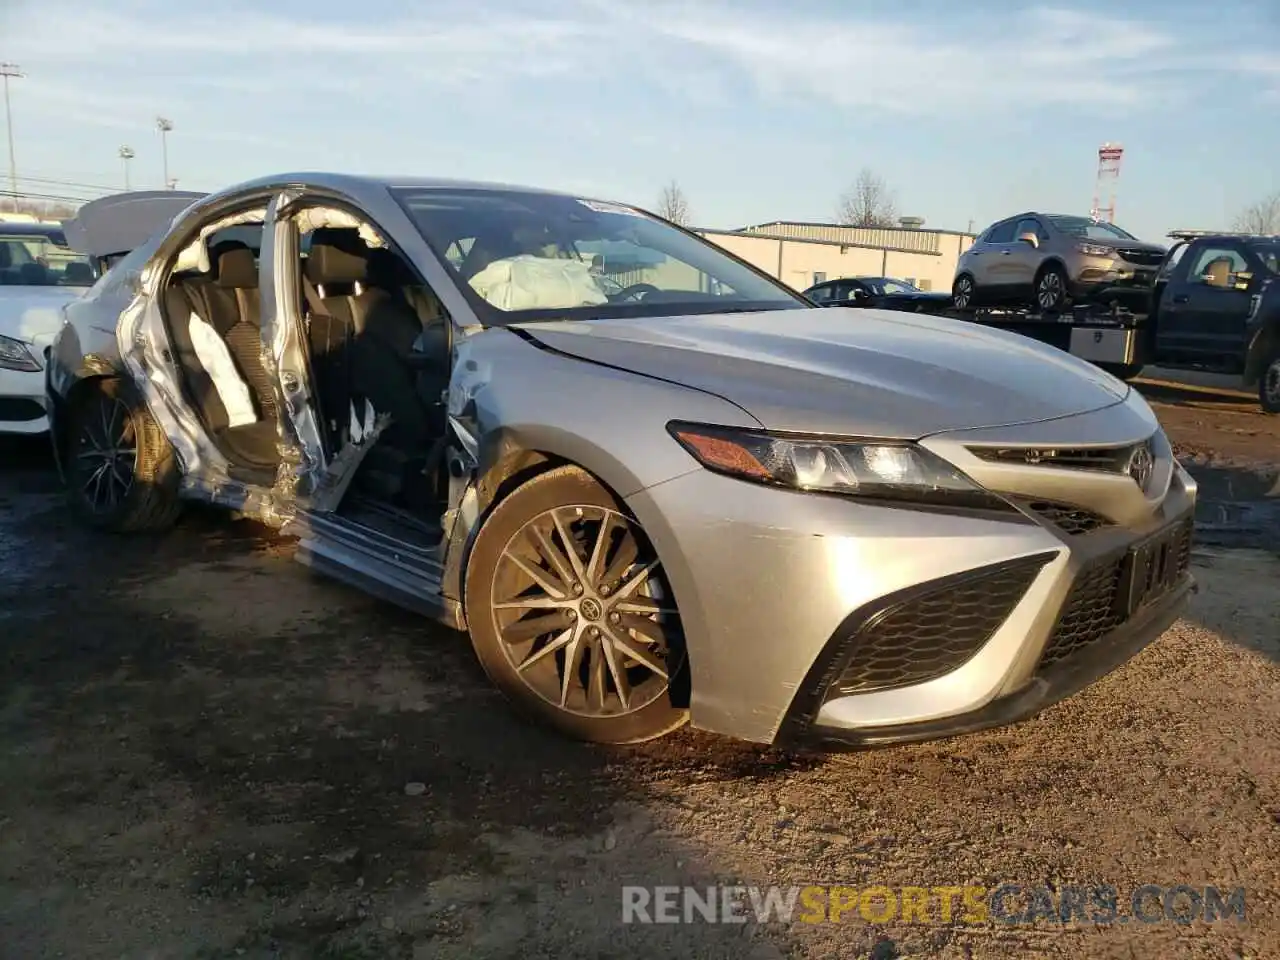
(653, 484)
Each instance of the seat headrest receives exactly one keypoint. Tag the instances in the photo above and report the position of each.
(386, 269)
(329, 264)
(236, 269)
(77, 271)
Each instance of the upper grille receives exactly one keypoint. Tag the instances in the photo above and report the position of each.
(1069, 519)
(1147, 258)
(1109, 459)
(935, 632)
(1092, 609)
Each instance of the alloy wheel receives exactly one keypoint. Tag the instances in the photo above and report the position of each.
(583, 614)
(962, 295)
(1050, 291)
(106, 455)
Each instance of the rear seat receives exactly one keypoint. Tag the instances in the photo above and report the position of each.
(228, 301)
(236, 314)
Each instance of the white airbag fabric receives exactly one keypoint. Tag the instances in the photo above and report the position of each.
(211, 351)
(537, 283)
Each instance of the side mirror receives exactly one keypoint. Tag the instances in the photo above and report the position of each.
(858, 295)
(1030, 239)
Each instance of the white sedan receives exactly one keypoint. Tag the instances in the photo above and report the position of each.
(39, 275)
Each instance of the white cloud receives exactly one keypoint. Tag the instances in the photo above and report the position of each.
(123, 54)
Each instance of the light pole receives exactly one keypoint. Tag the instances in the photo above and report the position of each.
(127, 154)
(164, 126)
(7, 71)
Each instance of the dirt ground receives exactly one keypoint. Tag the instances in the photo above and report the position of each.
(207, 753)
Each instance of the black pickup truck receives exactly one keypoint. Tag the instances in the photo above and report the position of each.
(1216, 307)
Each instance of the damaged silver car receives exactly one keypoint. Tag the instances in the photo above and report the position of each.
(652, 483)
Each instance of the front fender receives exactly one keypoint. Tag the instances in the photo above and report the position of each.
(528, 405)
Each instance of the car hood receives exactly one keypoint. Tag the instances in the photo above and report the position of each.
(874, 373)
(34, 314)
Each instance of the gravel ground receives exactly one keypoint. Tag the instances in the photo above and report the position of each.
(209, 753)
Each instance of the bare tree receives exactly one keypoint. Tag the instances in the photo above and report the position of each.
(1260, 217)
(868, 203)
(674, 205)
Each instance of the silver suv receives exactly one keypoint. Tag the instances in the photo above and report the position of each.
(1047, 261)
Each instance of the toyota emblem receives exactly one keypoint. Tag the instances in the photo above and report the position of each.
(1141, 465)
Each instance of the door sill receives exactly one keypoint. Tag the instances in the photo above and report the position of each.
(390, 521)
(386, 565)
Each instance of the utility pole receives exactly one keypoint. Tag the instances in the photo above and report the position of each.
(10, 71)
(164, 126)
(127, 154)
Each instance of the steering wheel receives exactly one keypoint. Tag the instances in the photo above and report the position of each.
(636, 291)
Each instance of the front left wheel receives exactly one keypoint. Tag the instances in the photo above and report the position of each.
(120, 468)
(1052, 289)
(571, 615)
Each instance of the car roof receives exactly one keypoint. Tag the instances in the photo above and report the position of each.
(347, 181)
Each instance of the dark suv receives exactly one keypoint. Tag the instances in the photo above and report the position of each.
(1046, 261)
(1217, 307)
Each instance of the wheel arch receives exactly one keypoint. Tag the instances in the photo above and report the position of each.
(508, 460)
(1053, 260)
(1261, 349)
(510, 457)
(62, 405)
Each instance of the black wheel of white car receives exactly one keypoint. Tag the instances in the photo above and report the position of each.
(120, 468)
(1051, 289)
(1269, 385)
(962, 292)
(570, 613)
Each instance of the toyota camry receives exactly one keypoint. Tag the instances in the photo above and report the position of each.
(654, 485)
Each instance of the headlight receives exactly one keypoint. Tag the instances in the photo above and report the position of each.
(873, 469)
(14, 355)
(1094, 250)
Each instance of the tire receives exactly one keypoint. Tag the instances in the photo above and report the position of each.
(1051, 292)
(963, 293)
(1123, 371)
(1269, 384)
(594, 628)
(142, 473)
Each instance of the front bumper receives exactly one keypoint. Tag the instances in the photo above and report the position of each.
(1107, 281)
(22, 402)
(776, 588)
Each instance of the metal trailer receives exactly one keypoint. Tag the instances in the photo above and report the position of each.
(1110, 336)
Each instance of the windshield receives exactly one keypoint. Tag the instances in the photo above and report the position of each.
(524, 256)
(42, 260)
(882, 285)
(1089, 229)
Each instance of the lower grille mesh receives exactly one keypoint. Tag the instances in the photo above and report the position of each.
(1092, 609)
(1069, 519)
(935, 632)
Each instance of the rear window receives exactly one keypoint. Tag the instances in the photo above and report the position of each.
(42, 260)
(1269, 254)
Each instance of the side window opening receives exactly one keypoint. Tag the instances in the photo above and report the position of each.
(1001, 233)
(380, 341)
(1214, 265)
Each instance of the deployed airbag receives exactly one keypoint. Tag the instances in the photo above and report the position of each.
(211, 350)
(538, 283)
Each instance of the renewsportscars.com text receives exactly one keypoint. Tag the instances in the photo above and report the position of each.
(1009, 903)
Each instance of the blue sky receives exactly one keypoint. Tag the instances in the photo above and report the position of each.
(762, 109)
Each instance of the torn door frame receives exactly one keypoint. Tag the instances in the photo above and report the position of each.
(149, 360)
